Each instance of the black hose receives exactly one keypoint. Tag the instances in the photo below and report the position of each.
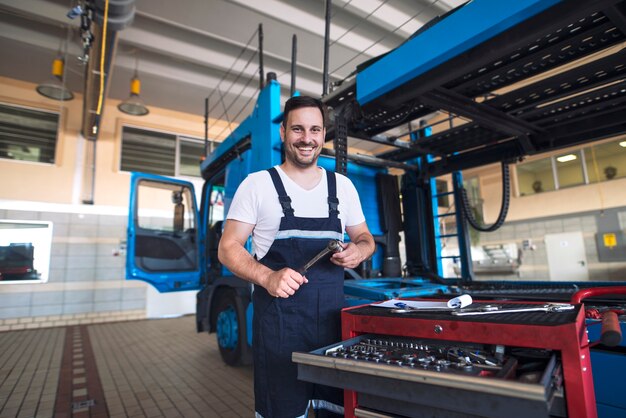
(504, 208)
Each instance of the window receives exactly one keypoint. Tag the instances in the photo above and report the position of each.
(190, 152)
(601, 162)
(606, 161)
(569, 169)
(25, 251)
(165, 227)
(160, 153)
(217, 205)
(164, 207)
(535, 177)
(27, 134)
(148, 151)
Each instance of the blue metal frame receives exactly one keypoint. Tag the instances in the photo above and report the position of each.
(472, 24)
(390, 288)
(262, 128)
(267, 108)
(435, 216)
(465, 253)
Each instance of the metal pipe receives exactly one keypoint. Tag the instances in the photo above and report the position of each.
(371, 160)
(99, 31)
(326, 48)
(206, 126)
(89, 173)
(294, 53)
(261, 75)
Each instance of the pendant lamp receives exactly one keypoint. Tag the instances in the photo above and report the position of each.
(55, 88)
(134, 105)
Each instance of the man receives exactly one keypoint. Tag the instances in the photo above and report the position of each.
(292, 211)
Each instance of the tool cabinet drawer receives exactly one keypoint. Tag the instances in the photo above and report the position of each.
(395, 374)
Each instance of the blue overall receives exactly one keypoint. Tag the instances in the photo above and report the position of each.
(308, 320)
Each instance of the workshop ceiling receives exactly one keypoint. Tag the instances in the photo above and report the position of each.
(191, 49)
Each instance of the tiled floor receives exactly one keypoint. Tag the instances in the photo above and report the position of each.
(150, 368)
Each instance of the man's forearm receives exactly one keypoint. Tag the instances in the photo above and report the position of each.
(243, 265)
(365, 244)
(281, 284)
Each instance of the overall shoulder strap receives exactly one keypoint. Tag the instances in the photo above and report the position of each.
(333, 202)
(285, 201)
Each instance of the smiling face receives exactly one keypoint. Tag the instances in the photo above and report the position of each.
(303, 136)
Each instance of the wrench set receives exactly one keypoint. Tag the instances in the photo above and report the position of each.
(456, 358)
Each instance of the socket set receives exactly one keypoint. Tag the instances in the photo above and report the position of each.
(393, 373)
(437, 356)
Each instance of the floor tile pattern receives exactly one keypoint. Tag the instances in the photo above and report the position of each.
(147, 368)
(30, 362)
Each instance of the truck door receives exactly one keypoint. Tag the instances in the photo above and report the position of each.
(163, 236)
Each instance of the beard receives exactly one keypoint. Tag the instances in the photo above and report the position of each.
(293, 155)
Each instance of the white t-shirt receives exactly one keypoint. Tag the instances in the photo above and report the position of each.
(256, 202)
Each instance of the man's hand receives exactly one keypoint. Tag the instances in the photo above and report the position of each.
(283, 283)
(349, 258)
(356, 251)
(232, 253)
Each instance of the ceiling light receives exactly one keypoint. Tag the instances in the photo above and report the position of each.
(55, 88)
(134, 105)
(622, 144)
(566, 158)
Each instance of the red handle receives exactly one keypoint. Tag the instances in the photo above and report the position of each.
(597, 291)
(611, 334)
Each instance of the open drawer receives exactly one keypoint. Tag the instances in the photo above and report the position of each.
(413, 377)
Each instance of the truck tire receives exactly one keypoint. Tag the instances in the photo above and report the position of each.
(231, 329)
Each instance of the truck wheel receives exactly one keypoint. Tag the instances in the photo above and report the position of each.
(231, 329)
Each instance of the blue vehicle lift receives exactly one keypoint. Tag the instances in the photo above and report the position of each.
(461, 65)
(468, 65)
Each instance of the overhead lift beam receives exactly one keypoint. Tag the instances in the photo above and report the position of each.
(483, 63)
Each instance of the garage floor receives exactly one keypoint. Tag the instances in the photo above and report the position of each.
(149, 368)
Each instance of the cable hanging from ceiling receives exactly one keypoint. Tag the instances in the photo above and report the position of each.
(359, 22)
(243, 50)
(237, 78)
(346, 4)
(366, 18)
(245, 105)
(227, 108)
(225, 112)
(102, 57)
(241, 73)
(385, 37)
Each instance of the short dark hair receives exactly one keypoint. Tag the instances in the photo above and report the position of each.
(297, 102)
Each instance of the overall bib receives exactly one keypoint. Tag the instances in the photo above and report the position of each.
(308, 320)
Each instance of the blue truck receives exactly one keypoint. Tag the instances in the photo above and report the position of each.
(513, 71)
(172, 240)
